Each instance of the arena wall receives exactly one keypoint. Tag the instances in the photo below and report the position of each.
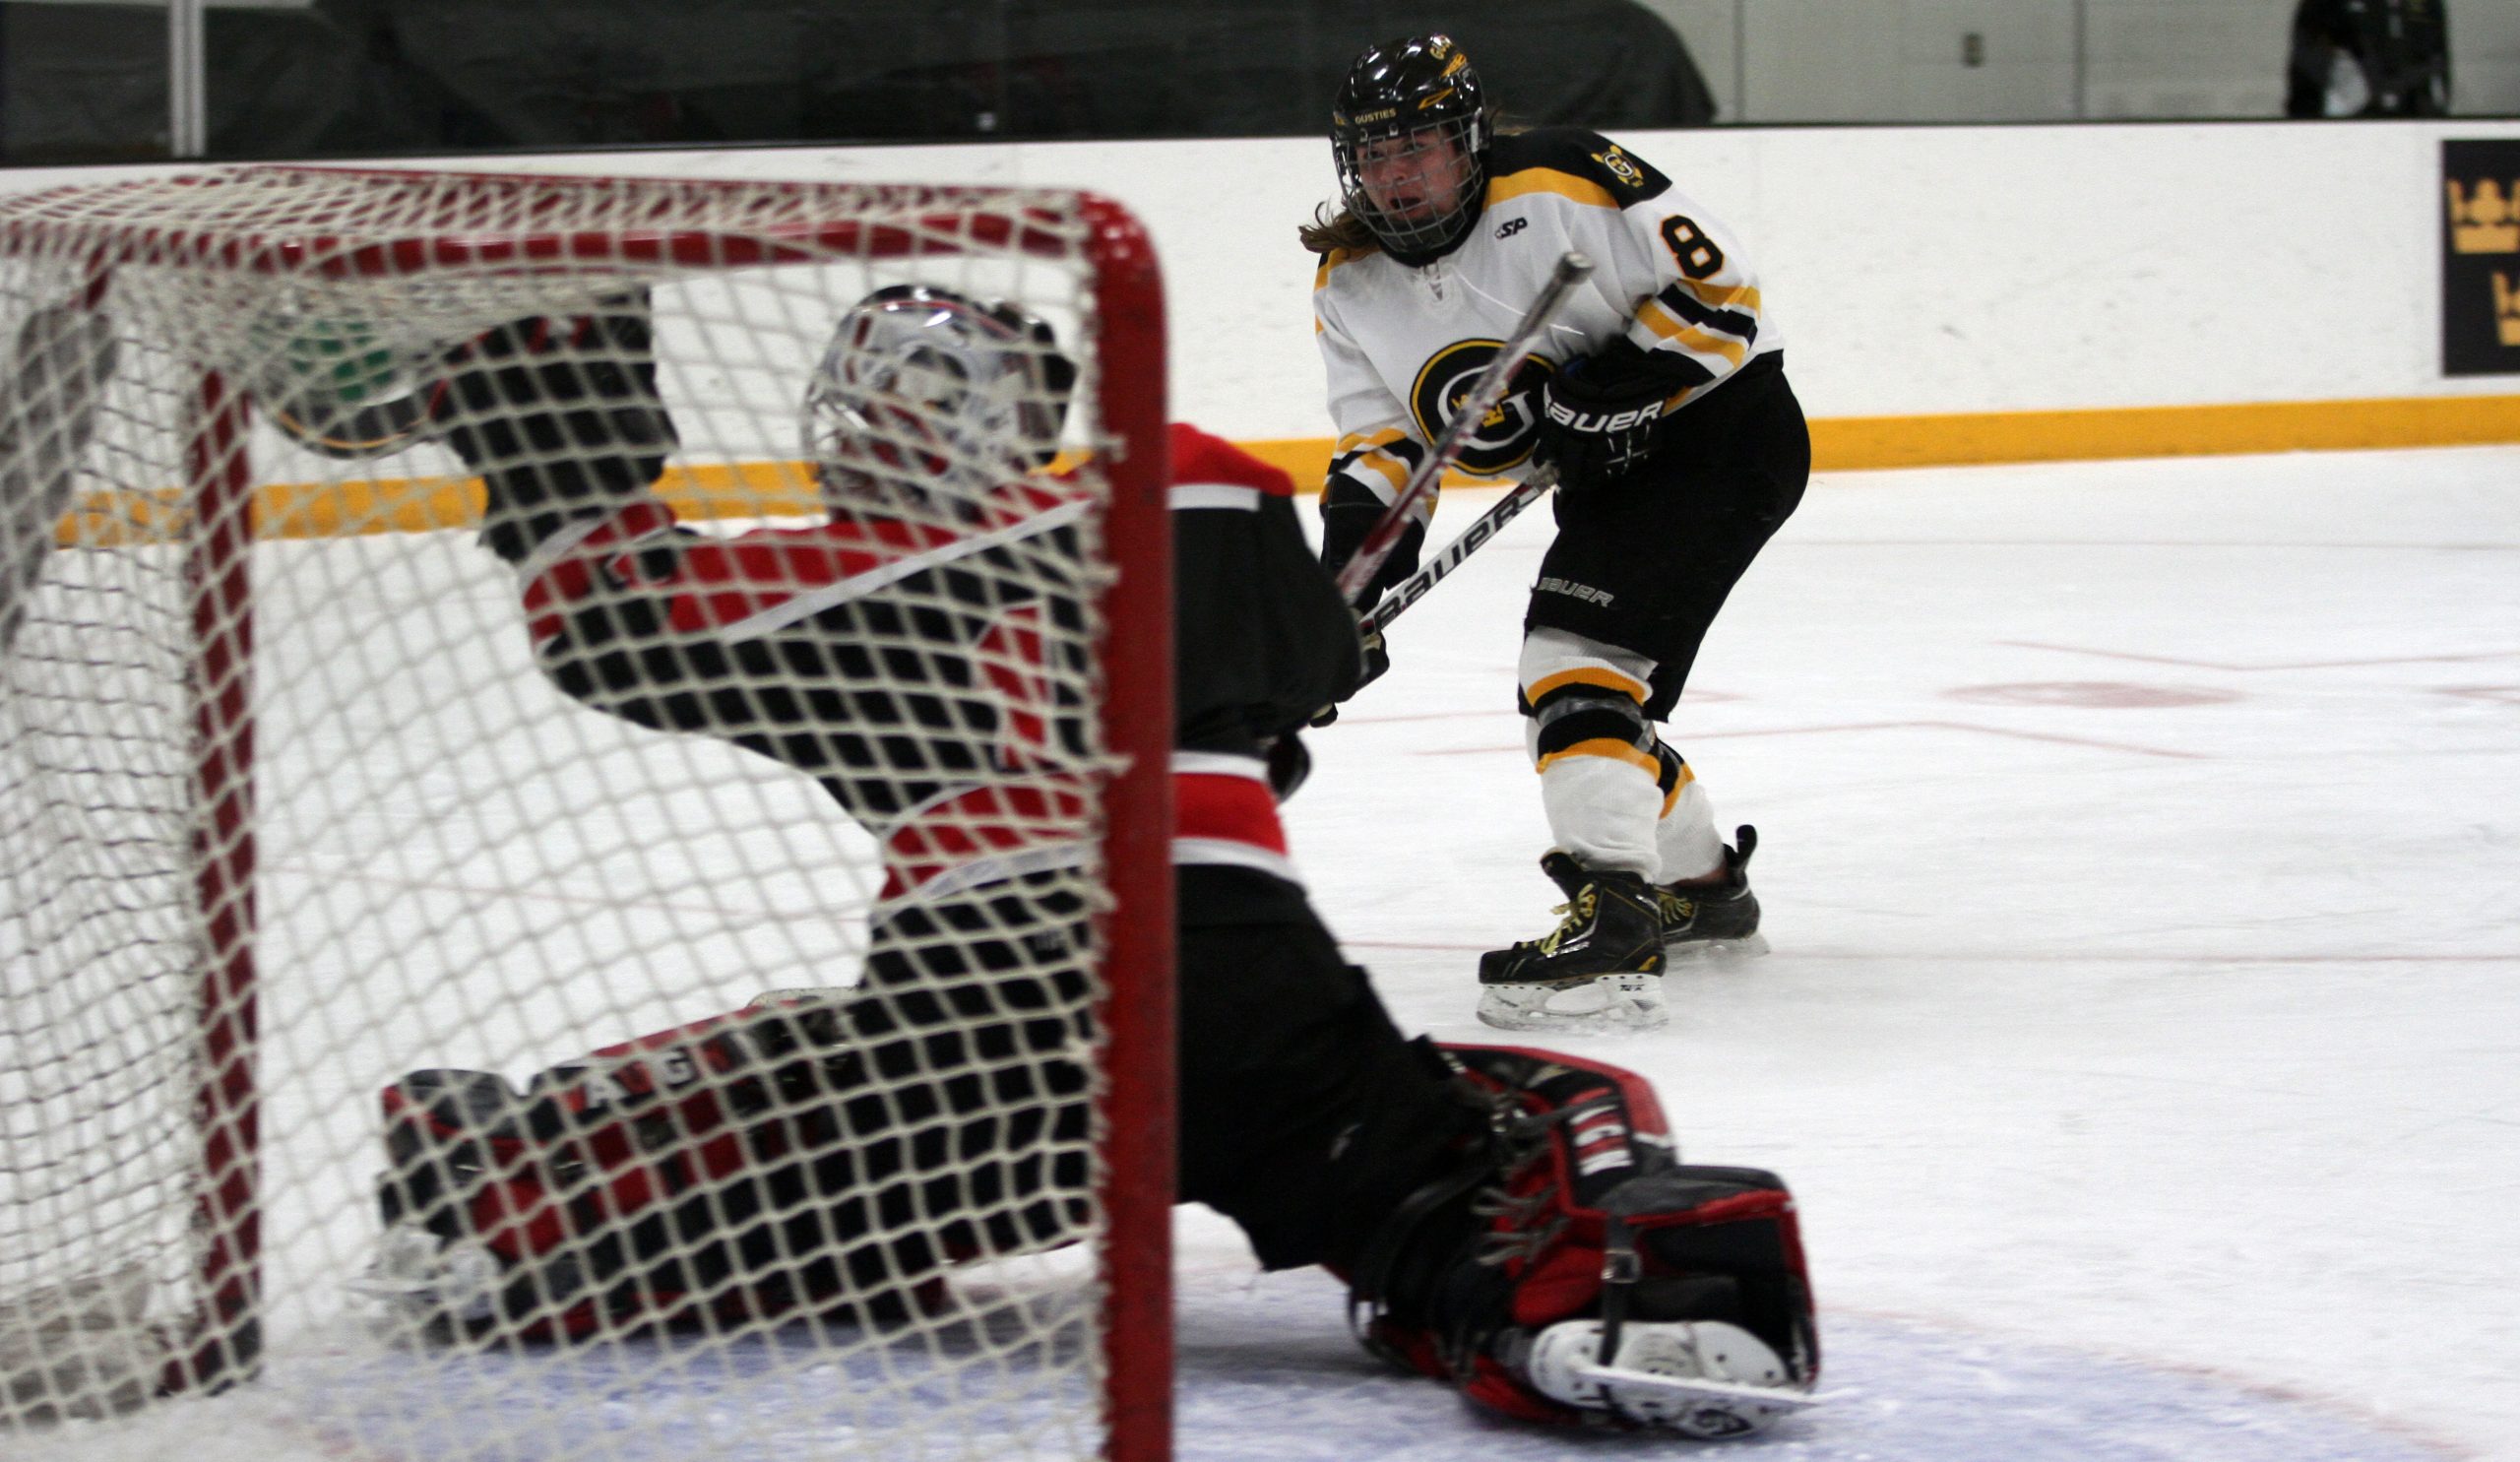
(1949, 293)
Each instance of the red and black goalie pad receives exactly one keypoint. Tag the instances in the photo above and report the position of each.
(745, 1166)
(1579, 1209)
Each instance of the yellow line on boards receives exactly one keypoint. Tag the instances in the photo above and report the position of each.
(1864, 443)
(370, 505)
(1858, 443)
(785, 489)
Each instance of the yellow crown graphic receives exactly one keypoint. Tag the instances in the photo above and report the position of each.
(2486, 221)
(2506, 307)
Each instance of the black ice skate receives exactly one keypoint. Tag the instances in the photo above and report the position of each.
(1718, 920)
(1600, 969)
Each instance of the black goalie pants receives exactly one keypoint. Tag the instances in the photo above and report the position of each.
(1303, 1113)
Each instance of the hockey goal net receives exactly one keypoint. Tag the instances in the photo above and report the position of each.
(288, 810)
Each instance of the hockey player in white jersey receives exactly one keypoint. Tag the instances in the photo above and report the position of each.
(1658, 399)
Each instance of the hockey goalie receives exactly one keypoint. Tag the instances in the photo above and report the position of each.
(1515, 1223)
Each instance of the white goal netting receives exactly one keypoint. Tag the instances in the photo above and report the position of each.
(560, 813)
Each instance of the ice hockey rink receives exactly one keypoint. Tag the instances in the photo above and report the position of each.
(2141, 1034)
(2140, 1031)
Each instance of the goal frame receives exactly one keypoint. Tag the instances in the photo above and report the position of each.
(1134, 1007)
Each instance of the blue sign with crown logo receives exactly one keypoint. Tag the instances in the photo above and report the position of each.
(2480, 257)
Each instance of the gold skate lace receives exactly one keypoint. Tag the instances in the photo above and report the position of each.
(1578, 911)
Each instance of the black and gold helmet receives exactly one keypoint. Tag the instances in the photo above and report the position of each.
(1420, 88)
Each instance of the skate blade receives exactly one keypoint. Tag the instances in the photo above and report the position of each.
(418, 1277)
(1704, 952)
(1610, 1004)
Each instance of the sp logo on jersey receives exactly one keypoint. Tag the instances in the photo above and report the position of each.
(1503, 440)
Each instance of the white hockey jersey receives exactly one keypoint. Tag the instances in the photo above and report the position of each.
(1404, 346)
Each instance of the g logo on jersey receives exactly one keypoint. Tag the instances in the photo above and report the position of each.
(1620, 167)
(1504, 440)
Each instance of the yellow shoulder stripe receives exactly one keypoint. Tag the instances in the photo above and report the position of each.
(1550, 181)
(1331, 261)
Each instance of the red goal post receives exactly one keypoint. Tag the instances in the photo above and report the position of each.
(149, 717)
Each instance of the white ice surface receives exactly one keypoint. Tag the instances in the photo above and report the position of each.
(2182, 1031)
(2140, 1032)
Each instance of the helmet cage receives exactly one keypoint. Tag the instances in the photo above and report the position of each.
(927, 400)
(1424, 92)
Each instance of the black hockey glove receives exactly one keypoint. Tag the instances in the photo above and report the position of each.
(1600, 416)
(1349, 511)
(560, 417)
(1290, 764)
(1376, 661)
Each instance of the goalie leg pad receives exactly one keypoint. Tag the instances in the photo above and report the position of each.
(710, 1170)
(1576, 1271)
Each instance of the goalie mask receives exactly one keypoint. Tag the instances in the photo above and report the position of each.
(927, 400)
(1410, 130)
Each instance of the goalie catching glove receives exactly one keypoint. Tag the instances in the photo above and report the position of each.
(1574, 1270)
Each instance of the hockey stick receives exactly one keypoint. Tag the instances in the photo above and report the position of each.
(1474, 537)
(1489, 389)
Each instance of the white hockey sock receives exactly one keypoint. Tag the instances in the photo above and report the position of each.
(1601, 810)
(1600, 764)
(1685, 841)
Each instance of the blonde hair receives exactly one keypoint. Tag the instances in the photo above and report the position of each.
(1339, 231)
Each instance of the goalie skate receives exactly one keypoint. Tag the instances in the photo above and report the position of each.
(437, 1286)
(1707, 1380)
(1576, 1232)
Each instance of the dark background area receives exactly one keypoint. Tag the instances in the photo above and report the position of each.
(381, 78)
(2477, 287)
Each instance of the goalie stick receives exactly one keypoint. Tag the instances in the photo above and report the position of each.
(1483, 394)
